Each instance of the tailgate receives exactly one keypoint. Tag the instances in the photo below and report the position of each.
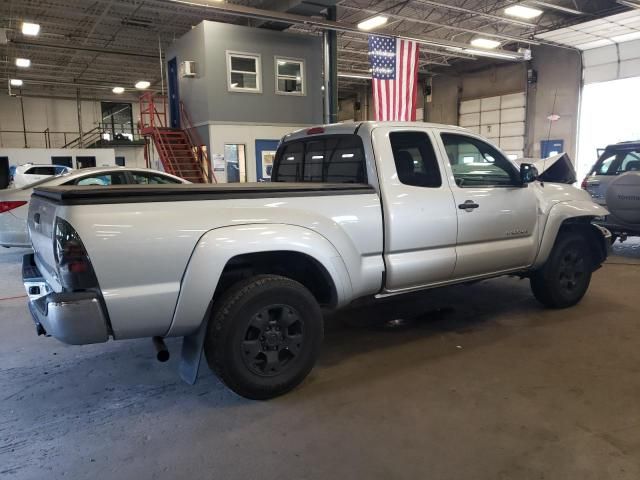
(40, 221)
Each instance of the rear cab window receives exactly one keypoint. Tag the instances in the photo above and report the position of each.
(321, 159)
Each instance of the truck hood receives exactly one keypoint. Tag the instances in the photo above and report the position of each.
(555, 169)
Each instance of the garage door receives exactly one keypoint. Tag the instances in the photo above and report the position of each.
(500, 119)
(610, 45)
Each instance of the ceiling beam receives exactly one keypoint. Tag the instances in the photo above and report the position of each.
(441, 25)
(250, 12)
(36, 45)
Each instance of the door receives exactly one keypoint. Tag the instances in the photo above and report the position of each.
(235, 163)
(419, 212)
(174, 95)
(497, 215)
(265, 153)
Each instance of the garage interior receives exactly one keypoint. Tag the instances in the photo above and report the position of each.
(474, 381)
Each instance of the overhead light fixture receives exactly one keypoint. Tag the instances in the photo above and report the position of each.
(486, 53)
(354, 75)
(142, 84)
(373, 22)
(118, 90)
(16, 82)
(485, 43)
(31, 29)
(23, 62)
(522, 11)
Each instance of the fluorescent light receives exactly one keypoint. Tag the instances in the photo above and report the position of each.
(31, 29)
(521, 11)
(118, 90)
(16, 82)
(485, 43)
(373, 22)
(142, 84)
(353, 75)
(23, 62)
(487, 53)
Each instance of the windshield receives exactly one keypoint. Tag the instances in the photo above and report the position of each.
(615, 162)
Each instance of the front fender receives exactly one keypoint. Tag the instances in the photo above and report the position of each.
(216, 247)
(560, 213)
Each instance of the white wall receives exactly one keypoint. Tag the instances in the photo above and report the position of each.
(58, 115)
(246, 135)
(19, 156)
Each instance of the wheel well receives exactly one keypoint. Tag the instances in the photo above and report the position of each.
(294, 265)
(595, 239)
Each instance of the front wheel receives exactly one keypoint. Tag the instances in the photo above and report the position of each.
(264, 336)
(565, 277)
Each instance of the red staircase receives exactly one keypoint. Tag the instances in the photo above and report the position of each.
(181, 151)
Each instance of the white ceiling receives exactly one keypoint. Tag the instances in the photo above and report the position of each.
(611, 30)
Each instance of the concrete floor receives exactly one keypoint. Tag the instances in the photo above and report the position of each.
(482, 383)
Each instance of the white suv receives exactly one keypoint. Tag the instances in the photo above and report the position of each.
(30, 173)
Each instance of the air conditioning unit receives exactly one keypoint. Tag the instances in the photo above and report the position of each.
(187, 69)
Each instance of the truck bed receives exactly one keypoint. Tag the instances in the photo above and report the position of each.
(74, 195)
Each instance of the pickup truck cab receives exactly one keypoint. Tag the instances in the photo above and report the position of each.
(353, 210)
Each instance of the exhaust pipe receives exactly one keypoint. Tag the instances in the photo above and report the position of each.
(162, 352)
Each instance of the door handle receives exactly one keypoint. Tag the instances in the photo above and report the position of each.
(468, 205)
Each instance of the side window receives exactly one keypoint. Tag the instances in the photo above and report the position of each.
(415, 159)
(103, 180)
(605, 165)
(346, 164)
(630, 163)
(41, 171)
(478, 164)
(290, 163)
(144, 178)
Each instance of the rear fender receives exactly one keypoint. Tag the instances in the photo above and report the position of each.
(217, 247)
(563, 215)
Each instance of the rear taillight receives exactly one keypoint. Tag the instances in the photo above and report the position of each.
(6, 206)
(583, 185)
(74, 267)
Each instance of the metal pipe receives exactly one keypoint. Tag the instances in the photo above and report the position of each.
(559, 8)
(251, 12)
(161, 67)
(24, 125)
(325, 76)
(39, 45)
(162, 352)
(441, 25)
(332, 45)
(479, 14)
(79, 105)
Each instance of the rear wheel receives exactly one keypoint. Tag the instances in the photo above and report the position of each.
(565, 277)
(264, 336)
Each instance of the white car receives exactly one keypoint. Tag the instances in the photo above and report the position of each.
(14, 203)
(30, 173)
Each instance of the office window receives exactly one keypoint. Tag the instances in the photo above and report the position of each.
(117, 121)
(120, 161)
(289, 76)
(85, 162)
(236, 164)
(243, 72)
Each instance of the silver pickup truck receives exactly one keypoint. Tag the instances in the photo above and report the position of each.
(242, 272)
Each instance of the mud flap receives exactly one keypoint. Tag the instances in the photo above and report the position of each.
(192, 348)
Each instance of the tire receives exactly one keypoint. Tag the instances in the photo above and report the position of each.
(264, 336)
(565, 277)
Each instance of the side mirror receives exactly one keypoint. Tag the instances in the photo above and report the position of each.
(528, 173)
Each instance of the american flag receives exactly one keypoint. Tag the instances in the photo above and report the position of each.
(394, 70)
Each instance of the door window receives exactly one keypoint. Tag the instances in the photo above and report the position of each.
(41, 171)
(415, 159)
(236, 163)
(478, 164)
(101, 180)
(617, 162)
(145, 178)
